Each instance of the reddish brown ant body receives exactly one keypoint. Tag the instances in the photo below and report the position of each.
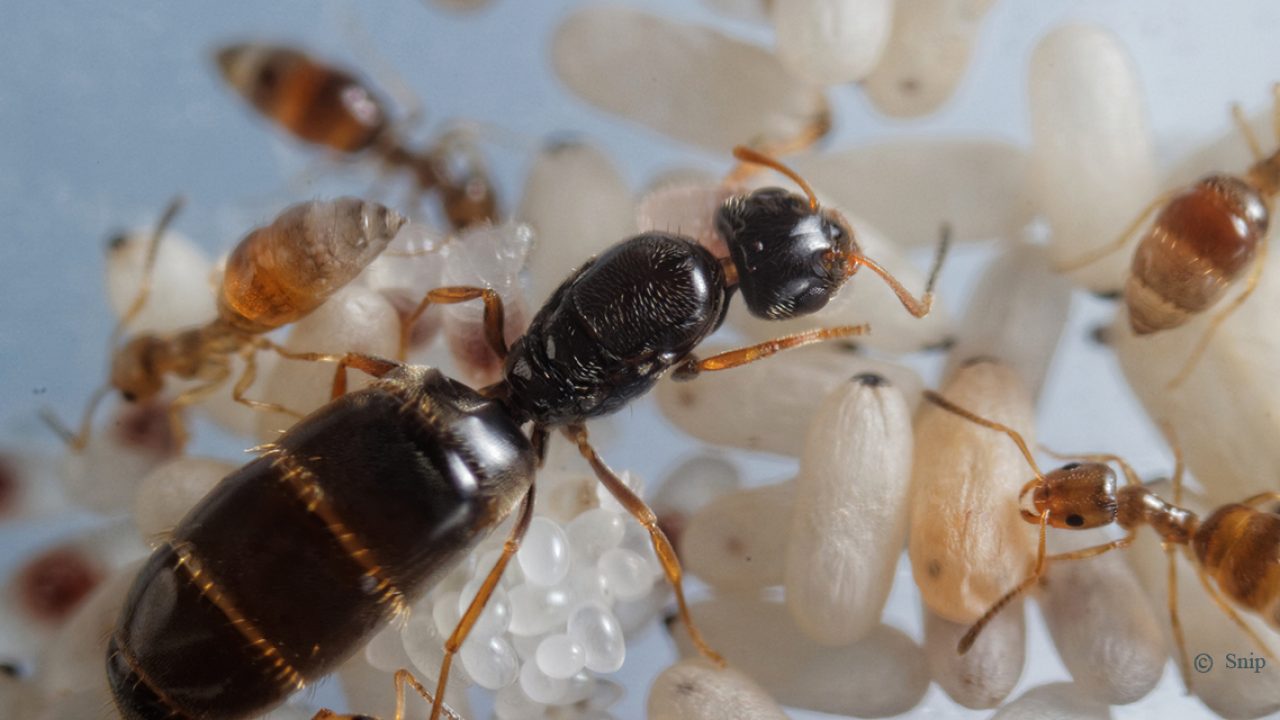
(327, 106)
(1235, 549)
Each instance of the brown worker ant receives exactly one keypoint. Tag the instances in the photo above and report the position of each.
(325, 105)
(1201, 241)
(372, 498)
(1235, 549)
(276, 275)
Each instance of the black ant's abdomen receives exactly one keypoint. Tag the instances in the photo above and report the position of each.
(292, 561)
(615, 326)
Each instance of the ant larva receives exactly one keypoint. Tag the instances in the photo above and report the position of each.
(1203, 238)
(276, 275)
(1235, 549)
(369, 500)
(324, 105)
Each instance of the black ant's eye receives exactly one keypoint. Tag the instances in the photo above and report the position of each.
(128, 396)
(1071, 466)
(1075, 520)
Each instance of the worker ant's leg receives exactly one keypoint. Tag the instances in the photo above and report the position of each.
(1102, 251)
(1042, 562)
(403, 679)
(246, 381)
(371, 365)
(472, 614)
(1231, 613)
(190, 397)
(661, 545)
(1014, 435)
(148, 268)
(1203, 343)
(493, 314)
(971, 635)
(539, 439)
(692, 366)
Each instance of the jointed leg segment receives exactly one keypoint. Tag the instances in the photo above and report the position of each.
(692, 366)
(642, 512)
(494, 318)
(472, 614)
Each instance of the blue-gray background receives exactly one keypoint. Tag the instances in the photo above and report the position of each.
(109, 109)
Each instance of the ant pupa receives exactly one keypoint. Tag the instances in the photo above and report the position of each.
(1235, 549)
(1204, 237)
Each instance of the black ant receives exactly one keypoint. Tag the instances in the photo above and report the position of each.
(294, 559)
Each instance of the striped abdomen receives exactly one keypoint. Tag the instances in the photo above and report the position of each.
(281, 272)
(1199, 243)
(293, 560)
(1240, 548)
(315, 102)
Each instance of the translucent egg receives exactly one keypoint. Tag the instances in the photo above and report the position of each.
(560, 656)
(544, 553)
(593, 532)
(541, 687)
(628, 574)
(492, 663)
(589, 585)
(600, 635)
(536, 610)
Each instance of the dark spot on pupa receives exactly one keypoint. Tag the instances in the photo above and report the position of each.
(53, 585)
(734, 546)
(685, 397)
(934, 568)
(909, 86)
(942, 345)
(870, 380)
(146, 427)
(1101, 335)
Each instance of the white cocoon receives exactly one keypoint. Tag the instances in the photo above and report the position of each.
(695, 690)
(1092, 164)
(827, 42)
(703, 87)
(849, 524)
(969, 543)
(983, 677)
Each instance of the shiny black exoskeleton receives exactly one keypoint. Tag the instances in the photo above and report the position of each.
(284, 569)
(791, 258)
(611, 330)
(296, 558)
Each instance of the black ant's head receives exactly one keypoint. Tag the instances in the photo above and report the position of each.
(791, 255)
(1077, 496)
